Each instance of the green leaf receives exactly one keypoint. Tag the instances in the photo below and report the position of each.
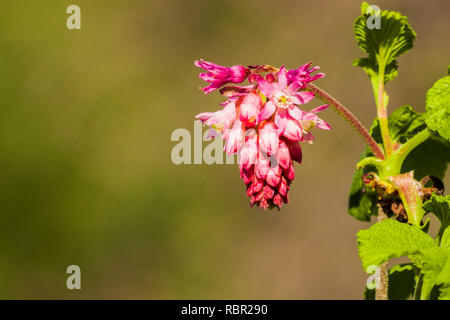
(438, 107)
(430, 157)
(434, 261)
(362, 205)
(369, 294)
(394, 37)
(436, 268)
(404, 123)
(445, 293)
(390, 239)
(443, 279)
(445, 240)
(440, 207)
(444, 282)
(401, 283)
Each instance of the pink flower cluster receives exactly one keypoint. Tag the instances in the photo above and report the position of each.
(263, 123)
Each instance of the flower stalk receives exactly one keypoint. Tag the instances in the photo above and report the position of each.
(349, 117)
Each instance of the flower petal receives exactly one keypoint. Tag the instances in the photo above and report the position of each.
(268, 139)
(295, 150)
(290, 173)
(281, 121)
(234, 138)
(278, 200)
(247, 175)
(293, 130)
(248, 154)
(262, 166)
(204, 116)
(322, 124)
(249, 109)
(293, 87)
(284, 157)
(295, 112)
(320, 108)
(304, 96)
(265, 87)
(282, 80)
(267, 111)
(274, 176)
(282, 188)
(268, 192)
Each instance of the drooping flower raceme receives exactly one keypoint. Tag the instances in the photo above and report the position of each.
(263, 123)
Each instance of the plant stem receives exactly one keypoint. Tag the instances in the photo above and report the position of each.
(393, 165)
(412, 143)
(381, 292)
(418, 288)
(382, 113)
(349, 117)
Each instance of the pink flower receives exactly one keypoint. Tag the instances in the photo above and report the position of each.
(302, 75)
(249, 109)
(283, 100)
(268, 139)
(218, 75)
(310, 119)
(234, 137)
(222, 119)
(268, 180)
(264, 124)
(249, 152)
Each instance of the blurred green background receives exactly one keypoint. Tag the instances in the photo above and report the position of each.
(86, 176)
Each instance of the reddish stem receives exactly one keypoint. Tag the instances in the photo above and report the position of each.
(349, 117)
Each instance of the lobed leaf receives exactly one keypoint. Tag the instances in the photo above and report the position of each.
(445, 240)
(436, 268)
(440, 207)
(443, 281)
(390, 239)
(438, 107)
(384, 44)
(362, 204)
(434, 260)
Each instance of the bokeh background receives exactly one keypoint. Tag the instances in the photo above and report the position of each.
(86, 118)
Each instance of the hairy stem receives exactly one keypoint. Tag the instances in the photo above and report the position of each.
(349, 117)
(382, 114)
(381, 292)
